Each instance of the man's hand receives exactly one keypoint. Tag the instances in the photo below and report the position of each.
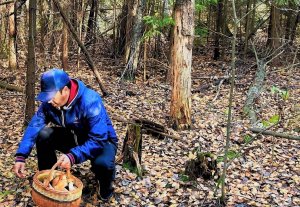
(64, 162)
(19, 169)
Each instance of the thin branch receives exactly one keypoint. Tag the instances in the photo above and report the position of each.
(233, 57)
(249, 12)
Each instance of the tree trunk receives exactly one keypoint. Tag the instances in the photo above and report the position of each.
(12, 55)
(3, 28)
(44, 25)
(181, 64)
(65, 41)
(54, 23)
(91, 23)
(209, 19)
(80, 18)
(114, 52)
(247, 27)
(274, 28)
(122, 29)
(218, 30)
(293, 32)
(30, 74)
(225, 30)
(133, 37)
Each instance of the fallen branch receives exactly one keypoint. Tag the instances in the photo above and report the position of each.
(10, 87)
(7, 2)
(215, 77)
(275, 134)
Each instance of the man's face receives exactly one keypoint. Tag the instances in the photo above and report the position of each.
(61, 98)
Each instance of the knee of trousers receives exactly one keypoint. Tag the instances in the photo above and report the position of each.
(103, 164)
(44, 135)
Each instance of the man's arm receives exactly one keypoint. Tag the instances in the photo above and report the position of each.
(97, 134)
(37, 122)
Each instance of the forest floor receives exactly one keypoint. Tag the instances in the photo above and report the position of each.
(266, 173)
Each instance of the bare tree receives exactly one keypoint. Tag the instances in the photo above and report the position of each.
(133, 37)
(30, 74)
(181, 63)
(12, 37)
(65, 40)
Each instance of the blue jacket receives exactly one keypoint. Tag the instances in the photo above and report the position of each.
(85, 115)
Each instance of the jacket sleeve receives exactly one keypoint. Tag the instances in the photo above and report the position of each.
(97, 133)
(37, 123)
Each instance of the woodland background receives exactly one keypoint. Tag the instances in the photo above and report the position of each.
(222, 78)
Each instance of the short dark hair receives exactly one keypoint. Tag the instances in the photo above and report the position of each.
(68, 85)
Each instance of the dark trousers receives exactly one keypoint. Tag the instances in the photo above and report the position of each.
(62, 139)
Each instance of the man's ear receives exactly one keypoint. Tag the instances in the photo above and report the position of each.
(66, 89)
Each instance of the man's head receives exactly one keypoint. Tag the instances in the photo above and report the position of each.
(54, 87)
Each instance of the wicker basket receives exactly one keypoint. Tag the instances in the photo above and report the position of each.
(43, 196)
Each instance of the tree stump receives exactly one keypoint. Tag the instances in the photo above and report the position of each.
(203, 165)
(132, 148)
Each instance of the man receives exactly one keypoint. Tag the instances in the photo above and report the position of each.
(84, 130)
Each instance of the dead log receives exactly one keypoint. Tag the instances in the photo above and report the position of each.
(254, 91)
(10, 87)
(274, 134)
(132, 148)
(148, 126)
(151, 127)
(83, 48)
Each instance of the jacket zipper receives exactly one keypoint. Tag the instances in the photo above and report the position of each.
(63, 124)
(75, 137)
(62, 119)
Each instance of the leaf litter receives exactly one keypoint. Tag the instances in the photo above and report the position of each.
(260, 176)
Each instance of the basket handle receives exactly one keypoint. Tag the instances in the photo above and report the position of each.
(51, 174)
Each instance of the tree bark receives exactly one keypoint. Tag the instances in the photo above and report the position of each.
(247, 27)
(132, 148)
(122, 29)
(52, 26)
(294, 29)
(133, 37)
(65, 41)
(181, 64)
(254, 91)
(218, 29)
(274, 28)
(91, 23)
(30, 74)
(3, 29)
(43, 24)
(12, 37)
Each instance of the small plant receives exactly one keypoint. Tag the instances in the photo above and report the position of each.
(273, 120)
(247, 139)
(284, 94)
(156, 24)
(200, 5)
(184, 178)
(129, 167)
(230, 155)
